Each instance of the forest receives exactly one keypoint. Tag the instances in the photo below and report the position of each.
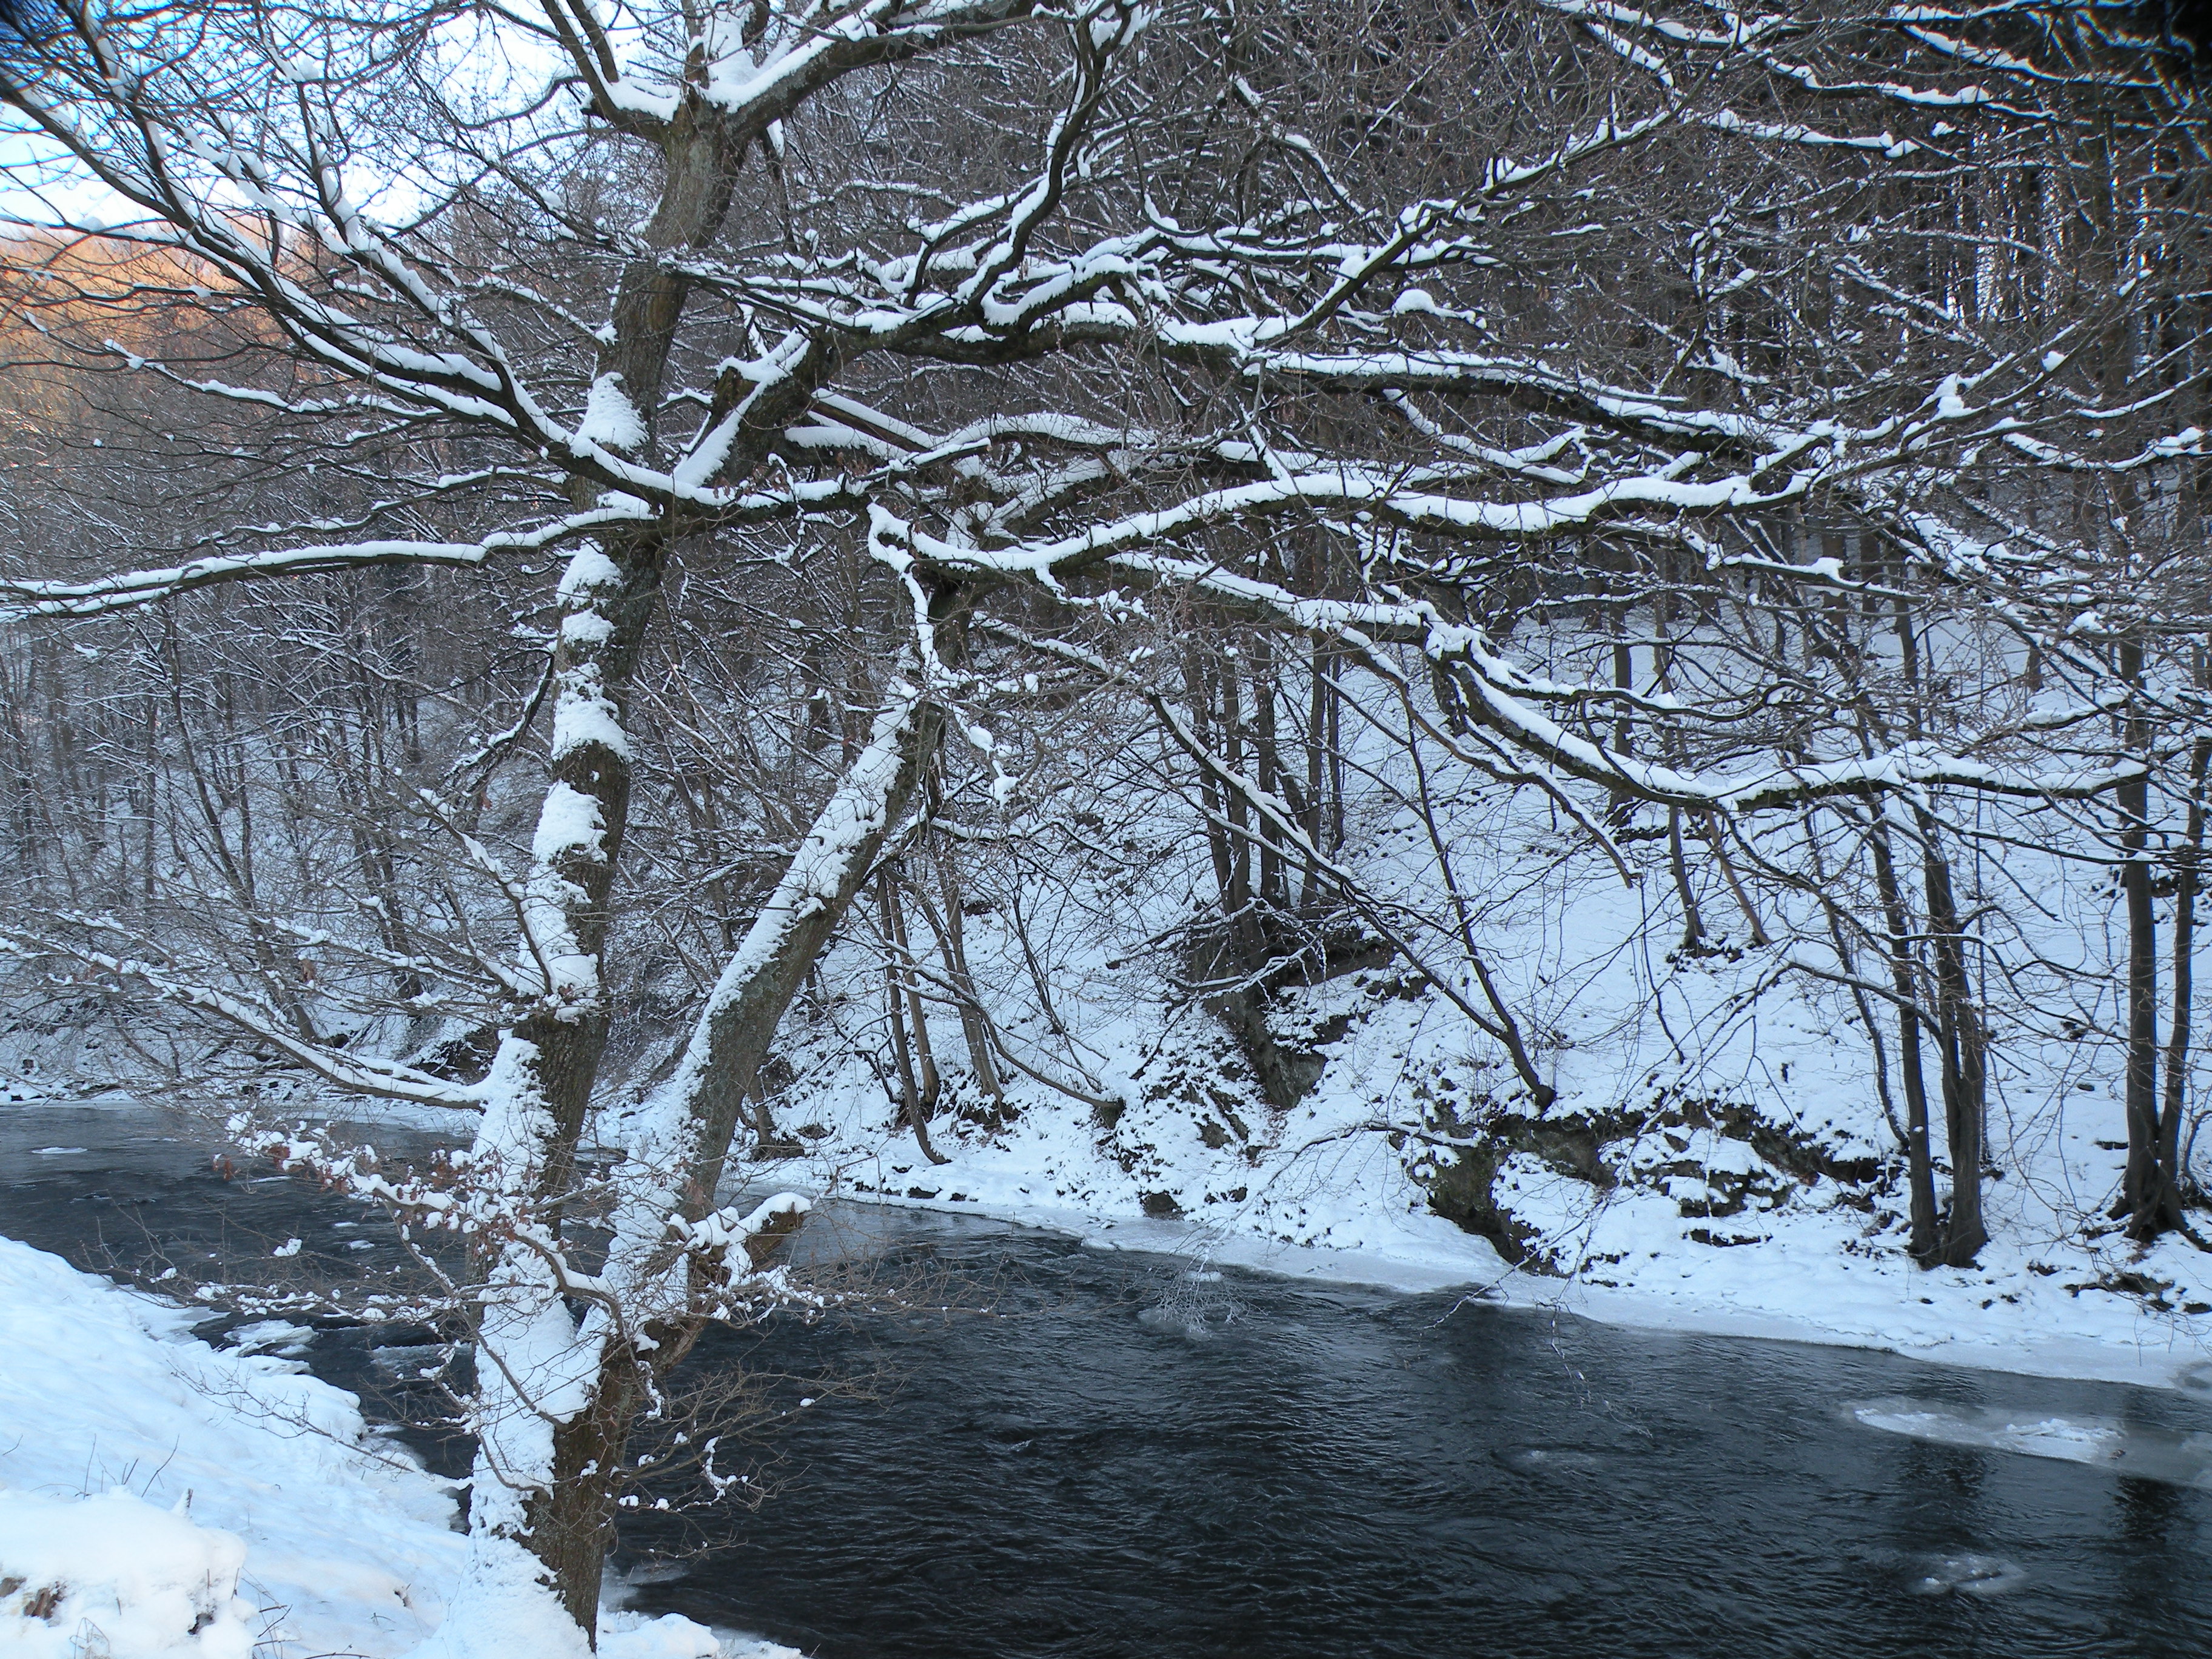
(1296, 616)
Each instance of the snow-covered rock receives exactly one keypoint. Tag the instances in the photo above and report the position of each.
(86, 1577)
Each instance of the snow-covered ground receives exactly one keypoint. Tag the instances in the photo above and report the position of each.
(1717, 1160)
(162, 1499)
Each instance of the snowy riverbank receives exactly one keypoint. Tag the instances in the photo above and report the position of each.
(2009, 1315)
(1749, 1188)
(163, 1500)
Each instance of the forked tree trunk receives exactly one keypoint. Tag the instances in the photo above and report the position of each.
(1963, 1050)
(679, 1140)
(524, 1489)
(1961, 1044)
(950, 932)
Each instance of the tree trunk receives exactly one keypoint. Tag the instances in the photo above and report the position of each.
(952, 945)
(2188, 875)
(1923, 1244)
(1274, 891)
(523, 1488)
(1960, 1044)
(902, 988)
(1319, 760)
(1694, 919)
(1621, 808)
(680, 1139)
(2143, 1193)
(1963, 1049)
(697, 1110)
(2169, 1196)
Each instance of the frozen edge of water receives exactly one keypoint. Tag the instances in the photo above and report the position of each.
(2154, 1355)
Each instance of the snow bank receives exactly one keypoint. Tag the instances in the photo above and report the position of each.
(115, 1575)
(2009, 1315)
(1717, 1158)
(241, 1507)
(502, 1609)
(1701, 1232)
(346, 1546)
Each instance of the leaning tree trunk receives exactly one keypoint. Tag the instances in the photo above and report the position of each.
(950, 932)
(666, 1266)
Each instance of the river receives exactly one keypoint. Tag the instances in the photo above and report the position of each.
(1029, 1448)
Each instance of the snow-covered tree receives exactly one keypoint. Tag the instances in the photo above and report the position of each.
(1708, 423)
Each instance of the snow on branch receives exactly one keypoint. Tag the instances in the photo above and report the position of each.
(1488, 691)
(827, 865)
(21, 597)
(727, 1226)
(388, 1080)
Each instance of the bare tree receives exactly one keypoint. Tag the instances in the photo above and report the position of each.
(940, 355)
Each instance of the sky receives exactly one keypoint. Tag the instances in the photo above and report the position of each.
(484, 64)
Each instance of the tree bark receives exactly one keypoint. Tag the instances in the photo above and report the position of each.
(2143, 1192)
(1924, 1242)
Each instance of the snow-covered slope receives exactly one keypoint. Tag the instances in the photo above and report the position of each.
(1717, 1157)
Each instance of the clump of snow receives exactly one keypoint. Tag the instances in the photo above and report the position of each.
(2179, 1457)
(672, 1636)
(504, 1608)
(115, 1575)
(610, 420)
(271, 1336)
(569, 822)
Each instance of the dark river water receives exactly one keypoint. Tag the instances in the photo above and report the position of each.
(1098, 1455)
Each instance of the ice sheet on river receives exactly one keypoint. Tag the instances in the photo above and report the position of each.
(2148, 1454)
